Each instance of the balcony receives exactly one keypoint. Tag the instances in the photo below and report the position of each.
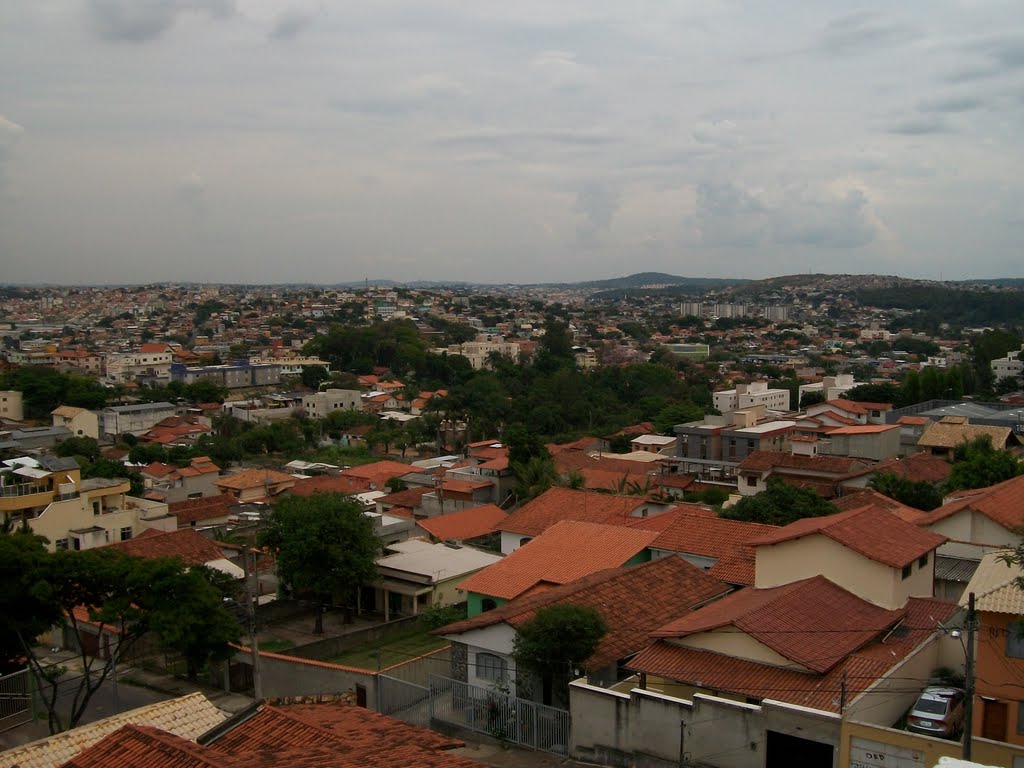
(21, 489)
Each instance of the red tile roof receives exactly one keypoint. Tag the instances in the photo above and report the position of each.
(185, 544)
(410, 497)
(738, 567)
(328, 484)
(862, 668)
(765, 461)
(557, 504)
(793, 621)
(873, 532)
(191, 511)
(1002, 503)
(254, 478)
(919, 467)
(863, 429)
(465, 524)
(709, 536)
(567, 551)
(670, 585)
(862, 497)
(379, 472)
(293, 736)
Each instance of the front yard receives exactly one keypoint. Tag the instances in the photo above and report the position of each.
(408, 645)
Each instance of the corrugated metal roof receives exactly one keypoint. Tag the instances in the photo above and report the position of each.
(954, 568)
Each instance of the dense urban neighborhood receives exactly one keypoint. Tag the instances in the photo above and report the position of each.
(650, 521)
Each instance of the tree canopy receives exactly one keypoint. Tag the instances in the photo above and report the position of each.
(919, 494)
(556, 641)
(325, 548)
(979, 464)
(779, 504)
(127, 596)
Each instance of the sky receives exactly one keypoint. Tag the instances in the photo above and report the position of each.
(271, 141)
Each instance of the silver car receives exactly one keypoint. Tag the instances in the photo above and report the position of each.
(939, 711)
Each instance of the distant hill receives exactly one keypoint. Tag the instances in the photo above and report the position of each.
(641, 279)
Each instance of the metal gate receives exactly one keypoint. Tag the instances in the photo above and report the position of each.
(15, 700)
(499, 715)
(404, 700)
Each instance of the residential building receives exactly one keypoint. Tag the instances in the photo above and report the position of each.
(11, 405)
(79, 421)
(204, 512)
(318, 404)
(33, 438)
(231, 376)
(478, 352)
(291, 366)
(71, 513)
(152, 363)
(830, 387)
(566, 551)
(941, 437)
(168, 483)
(133, 419)
(751, 395)
(416, 575)
(999, 666)
(255, 485)
(184, 544)
(1009, 367)
(482, 645)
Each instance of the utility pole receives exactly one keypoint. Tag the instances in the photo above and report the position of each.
(250, 615)
(969, 678)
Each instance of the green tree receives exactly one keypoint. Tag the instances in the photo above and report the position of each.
(86, 447)
(313, 375)
(325, 548)
(979, 464)
(555, 642)
(534, 477)
(119, 594)
(918, 494)
(779, 504)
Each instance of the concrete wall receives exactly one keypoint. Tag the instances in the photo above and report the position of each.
(972, 535)
(289, 676)
(729, 642)
(870, 746)
(889, 699)
(643, 728)
(335, 646)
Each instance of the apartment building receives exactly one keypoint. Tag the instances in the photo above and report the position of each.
(751, 395)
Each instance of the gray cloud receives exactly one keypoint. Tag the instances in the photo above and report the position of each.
(1002, 54)
(830, 223)
(10, 133)
(922, 125)
(597, 204)
(951, 104)
(291, 23)
(141, 20)
(497, 139)
(863, 32)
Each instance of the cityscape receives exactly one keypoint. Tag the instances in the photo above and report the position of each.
(448, 384)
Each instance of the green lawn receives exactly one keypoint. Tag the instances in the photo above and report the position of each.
(275, 646)
(409, 645)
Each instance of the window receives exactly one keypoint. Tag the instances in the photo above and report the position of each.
(1015, 641)
(76, 544)
(922, 561)
(907, 569)
(1020, 717)
(751, 481)
(61, 543)
(126, 533)
(488, 604)
(490, 667)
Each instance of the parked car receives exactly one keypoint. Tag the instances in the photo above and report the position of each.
(939, 711)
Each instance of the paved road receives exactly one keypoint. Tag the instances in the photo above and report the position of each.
(109, 700)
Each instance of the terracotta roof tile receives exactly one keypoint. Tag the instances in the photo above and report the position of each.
(945, 434)
(328, 484)
(709, 536)
(379, 472)
(253, 478)
(410, 497)
(670, 585)
(148, 747)
(862, 497)
(187, 716)
(192, 511)
(792, 620)
(1002, 503)
(709, 670)
(565, 552)
(465, 524)
(765, 461)
(873, 532)
(185, 544)
(557, 504)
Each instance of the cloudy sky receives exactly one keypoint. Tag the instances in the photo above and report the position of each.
(286, 141)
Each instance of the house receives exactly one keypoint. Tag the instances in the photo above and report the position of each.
(417, 575)
(378, 473)
(566, 551)
(11, 405)
(322, 735)
(168, 483)
(176, 430)
(71, 513)
(873, 442)
(558, 504)
(33, 438)
(749, 395)
(482, 645)
(868, 551)
(251, 485)
(474, 523)
(318, 404)
(822, 473)
(999, 666)
(941, 437)
(847, 412)
(133, 419)
(204, 512)
(79, 421)
(187, 717)
(184, 544)
(705, 541)
(979, 521)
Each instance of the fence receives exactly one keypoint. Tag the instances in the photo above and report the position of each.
(404, 700)
(499, 715)
(15, 699)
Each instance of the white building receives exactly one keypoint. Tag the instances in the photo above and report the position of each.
(830, 386)
(751, 395)
(478, 352)
(319, 404)
(1010, 366)
(152, 361)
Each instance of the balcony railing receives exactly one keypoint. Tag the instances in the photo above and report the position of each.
(21, 489)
